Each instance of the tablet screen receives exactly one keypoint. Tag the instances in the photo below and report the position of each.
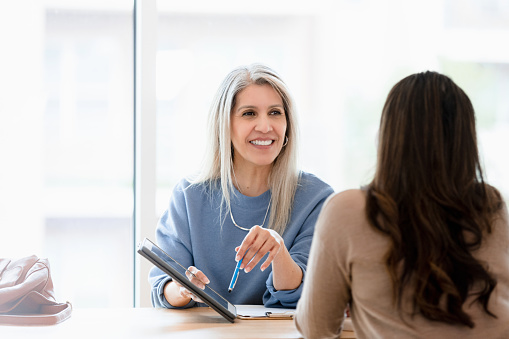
(178, 272)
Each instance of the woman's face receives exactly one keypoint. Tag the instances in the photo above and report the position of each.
(258, 126)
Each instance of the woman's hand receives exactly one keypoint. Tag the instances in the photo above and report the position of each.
(198, 278)
(287, 275)
(258, 242)
(177, 295)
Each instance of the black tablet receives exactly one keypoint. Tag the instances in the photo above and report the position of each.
(178, 272)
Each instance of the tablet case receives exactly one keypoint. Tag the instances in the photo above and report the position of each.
(170, 266)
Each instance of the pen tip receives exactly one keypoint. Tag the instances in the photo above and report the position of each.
(229, 290)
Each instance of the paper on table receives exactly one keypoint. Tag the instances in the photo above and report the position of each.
(259, 311)
(347, 324)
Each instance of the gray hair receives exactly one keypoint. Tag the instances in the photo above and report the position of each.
(218, 162)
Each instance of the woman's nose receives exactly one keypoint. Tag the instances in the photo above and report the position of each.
(263, 124)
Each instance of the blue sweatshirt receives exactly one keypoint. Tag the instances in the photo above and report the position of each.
(192, 232)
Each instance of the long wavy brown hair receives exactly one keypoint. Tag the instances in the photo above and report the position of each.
(429, 196)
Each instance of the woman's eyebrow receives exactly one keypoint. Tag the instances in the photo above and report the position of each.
(253, 107)
(245, 106)
(276, 106)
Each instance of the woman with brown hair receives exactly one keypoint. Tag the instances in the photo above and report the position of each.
(423, 250)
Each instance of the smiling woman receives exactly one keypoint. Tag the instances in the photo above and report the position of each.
(250, 171)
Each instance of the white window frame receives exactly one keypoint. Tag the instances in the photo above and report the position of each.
(144, 218)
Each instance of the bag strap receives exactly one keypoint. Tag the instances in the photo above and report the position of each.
(50, 315)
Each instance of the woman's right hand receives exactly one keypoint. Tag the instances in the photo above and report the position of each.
(178, 295)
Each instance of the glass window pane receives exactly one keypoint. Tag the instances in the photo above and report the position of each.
(67, 149)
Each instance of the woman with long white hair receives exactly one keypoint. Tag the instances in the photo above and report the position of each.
(250, 202)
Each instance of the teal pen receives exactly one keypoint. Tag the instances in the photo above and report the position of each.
(235, 276)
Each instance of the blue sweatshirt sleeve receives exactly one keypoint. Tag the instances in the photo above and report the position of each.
(173, 236)
(308, 203)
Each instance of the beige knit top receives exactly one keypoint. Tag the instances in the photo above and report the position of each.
(346, 266)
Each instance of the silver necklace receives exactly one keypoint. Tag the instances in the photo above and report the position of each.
(247, 229)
